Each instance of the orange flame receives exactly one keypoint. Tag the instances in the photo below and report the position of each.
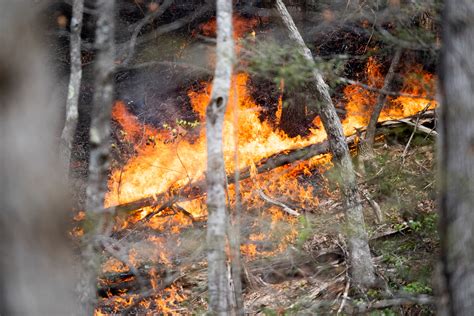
(157, 167)
(162, 164)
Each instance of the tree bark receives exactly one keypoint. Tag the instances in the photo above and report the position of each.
(72, 114)
(457, 159)
(37, 275)
(381, 99)
(362, 269)
(218, 276)
(99, 139)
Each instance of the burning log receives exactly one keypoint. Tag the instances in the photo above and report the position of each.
(196, 189)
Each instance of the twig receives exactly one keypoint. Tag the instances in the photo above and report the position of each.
(344, 297)
(364, 308)
(152, 292)
(147, 19)
(403, 43)
(348, 283)
(384, 91)
(420, 128)
(375, 207)
(117, 252)
(373, 177)
(409, 300)
(162, 29)
(285, 208)
(152, 63)
(413, 133)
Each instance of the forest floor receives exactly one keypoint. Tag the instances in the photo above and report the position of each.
(404, 246)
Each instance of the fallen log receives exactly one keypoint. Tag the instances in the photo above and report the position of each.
(196, 189)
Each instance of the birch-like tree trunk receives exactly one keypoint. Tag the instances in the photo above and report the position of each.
(362, 269)
(72, 114)
(99, 140)
(218, 276)
(457, 159)
(381, 99)
(37, 275)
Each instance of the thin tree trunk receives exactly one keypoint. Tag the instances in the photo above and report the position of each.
(234, 227)
(72, 114)
(362, 269)
(99, 139)
(457, 159)
(381, 99)
(218, 276)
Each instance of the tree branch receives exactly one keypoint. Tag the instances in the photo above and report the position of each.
(384, 91)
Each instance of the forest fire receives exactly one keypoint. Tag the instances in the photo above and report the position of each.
(169, 158)
(236, 157)
(360, 102)
(159, 165)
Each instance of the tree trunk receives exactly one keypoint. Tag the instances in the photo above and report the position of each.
(99, 139)
(37, 275)
(362, 269)
(457, 159)
(218, 276)
(72, 114)
(381, 99)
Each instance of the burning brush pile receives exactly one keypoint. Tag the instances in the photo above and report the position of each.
(155, 258)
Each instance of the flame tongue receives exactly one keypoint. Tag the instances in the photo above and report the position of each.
(160, 164)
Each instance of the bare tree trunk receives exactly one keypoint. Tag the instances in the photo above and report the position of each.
(362, 269)
(381, 99)
(99, 139)
(234, 223)
(37, 276)
(457, 159)
(218, 277)
(72, 114)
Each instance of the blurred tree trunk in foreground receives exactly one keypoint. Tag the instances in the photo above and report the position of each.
(36, 275)
(457, 159)
(221, 297)
(362, 269)
(99, 140)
